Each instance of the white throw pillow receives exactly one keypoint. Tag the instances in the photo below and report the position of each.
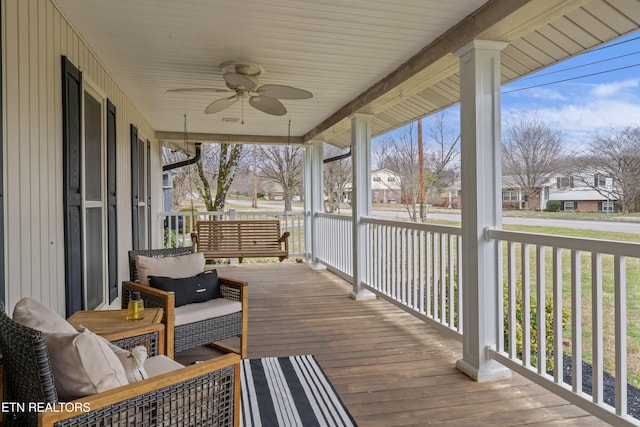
(175, 267)
(83, 364)
(35, 315)
(132, 361)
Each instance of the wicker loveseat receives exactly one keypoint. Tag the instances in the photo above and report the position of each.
(206, 394)
(185, 336)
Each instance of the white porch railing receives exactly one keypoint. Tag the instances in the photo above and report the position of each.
(417, 266)
(410, 264)
(176, 227)
(335, 243)
(580, 272)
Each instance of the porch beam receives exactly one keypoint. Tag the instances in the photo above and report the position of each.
(313, 201)
(481, 208)
(178, 137)
(360, 198)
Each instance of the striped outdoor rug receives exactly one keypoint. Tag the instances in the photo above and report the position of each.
(289, 391)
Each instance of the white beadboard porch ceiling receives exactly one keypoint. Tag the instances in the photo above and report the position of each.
(390, 58)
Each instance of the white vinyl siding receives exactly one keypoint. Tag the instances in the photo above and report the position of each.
(35, 36)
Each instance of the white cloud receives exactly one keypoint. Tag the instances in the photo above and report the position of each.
(577, 122)
(614, 88)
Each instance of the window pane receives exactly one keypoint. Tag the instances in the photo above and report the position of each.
(142, 228)
(93, 148)
(95, 258)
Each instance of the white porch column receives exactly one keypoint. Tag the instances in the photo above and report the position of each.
(313, 201)
(360, 198)
(481, 205)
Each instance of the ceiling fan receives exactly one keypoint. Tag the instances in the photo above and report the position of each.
(241, 79)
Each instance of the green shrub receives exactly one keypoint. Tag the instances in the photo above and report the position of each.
(533, 339)
(170, 239)
(187, 219)
(553, 206)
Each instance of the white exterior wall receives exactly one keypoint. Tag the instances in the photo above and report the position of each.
(34, 37)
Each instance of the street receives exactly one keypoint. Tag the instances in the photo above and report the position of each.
(400, 213)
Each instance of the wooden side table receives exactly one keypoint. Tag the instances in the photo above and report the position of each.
(112, 325)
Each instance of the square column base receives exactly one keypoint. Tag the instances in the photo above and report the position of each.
(315, 265)
(362, 294)
(491, 372)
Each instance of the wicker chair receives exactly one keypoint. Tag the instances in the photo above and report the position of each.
(183, 337)
(206, 394)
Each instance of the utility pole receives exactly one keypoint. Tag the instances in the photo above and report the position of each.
(423, 213)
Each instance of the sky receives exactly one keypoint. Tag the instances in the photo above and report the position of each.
(580, 97)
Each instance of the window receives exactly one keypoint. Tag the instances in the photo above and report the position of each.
(599, 181)
(391, 179)
(570, 206)
(564, 182)
(376, 179)
(94, 200)
(142, 192)
(509, 195)
(608, 207)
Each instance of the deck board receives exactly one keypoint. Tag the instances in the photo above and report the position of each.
(389, 368)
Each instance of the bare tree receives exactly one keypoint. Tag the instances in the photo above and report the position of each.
(337, 174)
(531, 152)
(614, 154)
(441, 157)
(399, 152)
(282, 164)
(218, 164)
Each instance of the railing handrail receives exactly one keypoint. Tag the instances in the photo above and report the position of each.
(434, 228)
(573, 243)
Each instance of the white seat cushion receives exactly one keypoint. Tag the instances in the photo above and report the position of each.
(197, 312)
(157, 365)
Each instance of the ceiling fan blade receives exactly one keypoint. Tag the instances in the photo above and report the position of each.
(197, 89)
(283, 92)
(239, 81)
(221, 104)
(268, 105)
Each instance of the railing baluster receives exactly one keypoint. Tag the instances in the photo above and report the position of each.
(451, 269)
(597, 385)
(415, 263)
(557, 316)
(576, 321)
(526, 304)
(459, 279)
(402, 264)
(421, 261)
(443, 278)
(541, 314)
(511, 295)
(435, 271)
(427, 273)
(620, 279)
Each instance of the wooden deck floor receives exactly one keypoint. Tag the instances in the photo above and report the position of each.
(390, 368)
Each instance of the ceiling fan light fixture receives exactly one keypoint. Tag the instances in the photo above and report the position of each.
(245, 68)
(241, 79)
